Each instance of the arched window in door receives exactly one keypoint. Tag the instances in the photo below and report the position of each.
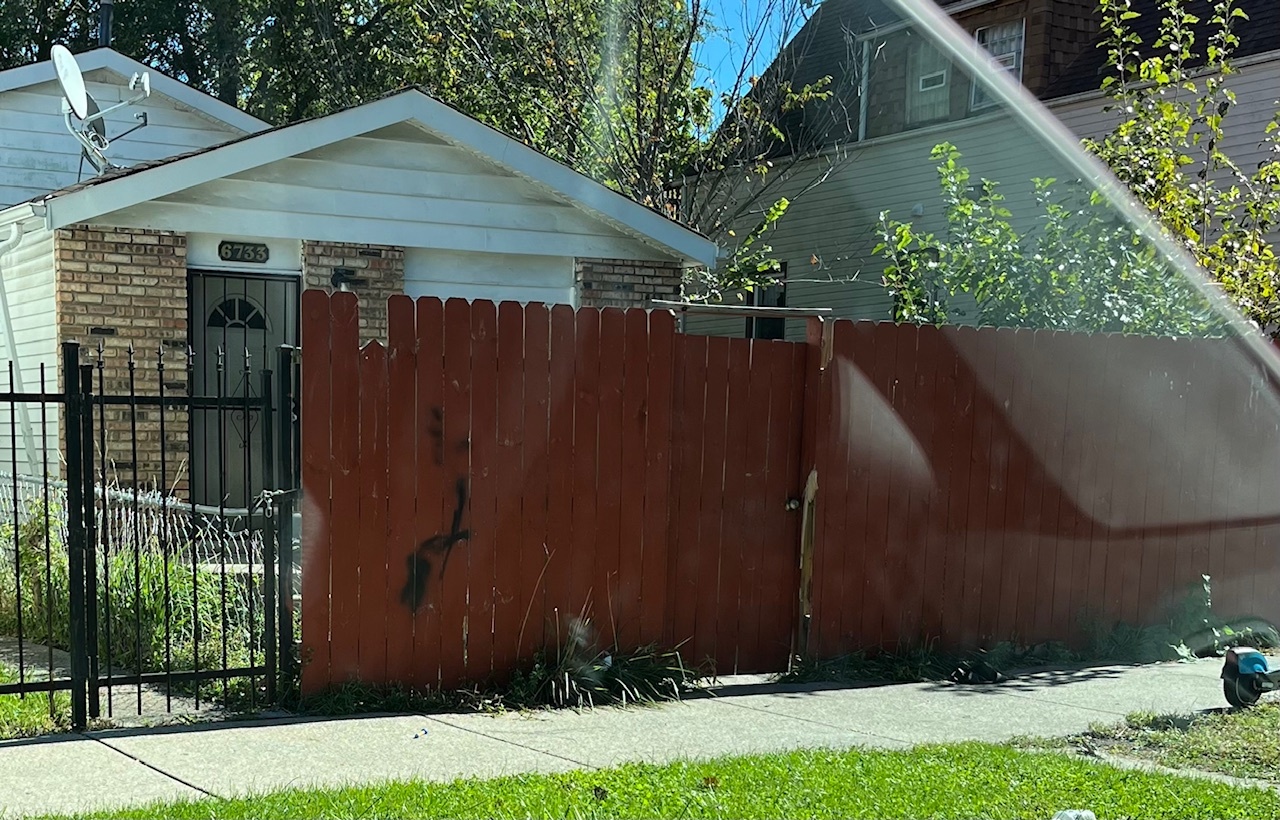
(238, 312)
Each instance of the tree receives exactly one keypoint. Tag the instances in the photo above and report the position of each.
(1083, 270)
(610, 87)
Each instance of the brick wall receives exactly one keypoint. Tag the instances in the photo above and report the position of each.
(380, 266)
(625, 283)
(122, 288)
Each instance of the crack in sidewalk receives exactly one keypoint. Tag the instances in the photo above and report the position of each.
(438, 719)
(823, 724)
(153, 767)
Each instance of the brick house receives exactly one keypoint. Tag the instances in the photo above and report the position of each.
(210, 248)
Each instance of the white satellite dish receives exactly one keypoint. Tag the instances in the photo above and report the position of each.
(92, 131)
(71, 80)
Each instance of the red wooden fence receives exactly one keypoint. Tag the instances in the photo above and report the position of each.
(496, 470)
(986, 485)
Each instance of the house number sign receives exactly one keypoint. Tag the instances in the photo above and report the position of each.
(254, 252)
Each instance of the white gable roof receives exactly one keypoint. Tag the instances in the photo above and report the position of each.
(402, 170)
(124, 68)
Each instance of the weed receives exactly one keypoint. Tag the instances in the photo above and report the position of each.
(1239, 743)
(1190, 630)
(574, 674)
(32, 714)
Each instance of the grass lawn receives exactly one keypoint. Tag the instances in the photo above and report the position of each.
(962, 781)
(28, 716)
(1243, 743)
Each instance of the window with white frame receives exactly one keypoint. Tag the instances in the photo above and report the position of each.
(1005, 44)
(928, 85)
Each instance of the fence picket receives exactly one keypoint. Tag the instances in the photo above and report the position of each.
(372, 533)
(1017, 601)
(658, 504)
(753, 510)
(534, 542)
(585, 596)
(402, 473)
(1001, 496)
(741, 421)
(450, 554)
(711, 502)
(422, 592)
(936, 408)
(344, 524)
(842, 482)
(485, 467)
(509, 474)
(609, 478)
(317, 396)
(904, 541)
(687, 546)
(635, 388)
(876, 354)
(560, 475)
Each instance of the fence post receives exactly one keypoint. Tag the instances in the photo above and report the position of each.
(89, 523)
(76, 533)
(271, 579)
(288, 480)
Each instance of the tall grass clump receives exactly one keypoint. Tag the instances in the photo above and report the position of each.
(155, 610)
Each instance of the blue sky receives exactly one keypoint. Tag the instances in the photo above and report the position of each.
(723, 53)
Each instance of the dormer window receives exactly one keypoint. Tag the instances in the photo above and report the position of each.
(1005, 44)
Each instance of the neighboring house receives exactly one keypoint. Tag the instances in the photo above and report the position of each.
(897, 97)
(399, 195)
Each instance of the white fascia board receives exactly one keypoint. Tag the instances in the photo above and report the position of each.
(105, 58)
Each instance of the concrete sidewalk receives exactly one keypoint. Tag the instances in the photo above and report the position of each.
(129, 767)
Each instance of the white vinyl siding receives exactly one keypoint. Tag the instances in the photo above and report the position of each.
(29, 284)
(498, 277)
(38, 155)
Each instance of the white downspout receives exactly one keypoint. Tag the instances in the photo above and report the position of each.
(28, 438)
(864, 91)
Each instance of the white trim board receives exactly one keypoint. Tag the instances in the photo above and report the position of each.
(412, 106)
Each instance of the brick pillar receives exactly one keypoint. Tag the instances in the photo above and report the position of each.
(625, 283)
(381, 267)
(119, 288)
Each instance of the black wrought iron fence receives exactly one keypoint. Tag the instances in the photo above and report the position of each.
(119, 583)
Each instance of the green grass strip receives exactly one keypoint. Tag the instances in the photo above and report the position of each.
(1241, 743)
(961, 781)
(29, 715)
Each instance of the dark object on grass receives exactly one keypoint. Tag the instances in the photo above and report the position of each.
(1246, 675)
(976, 670)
